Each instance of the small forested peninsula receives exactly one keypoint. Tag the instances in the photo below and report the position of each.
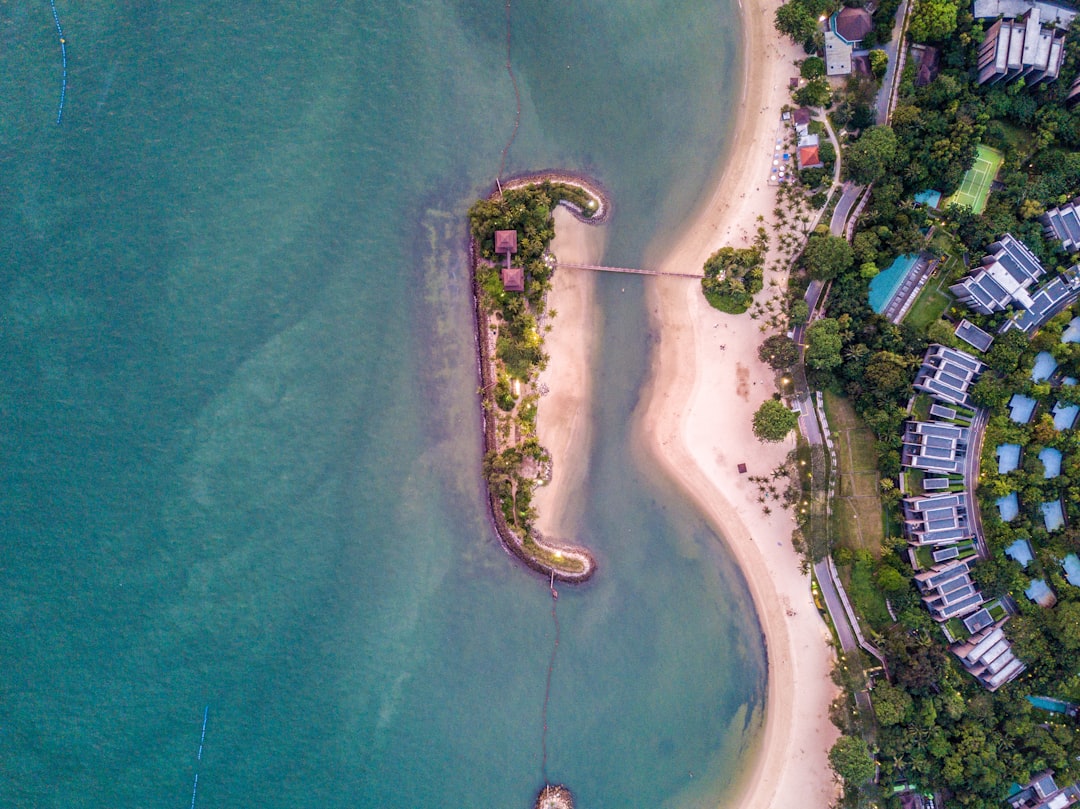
(511, 232)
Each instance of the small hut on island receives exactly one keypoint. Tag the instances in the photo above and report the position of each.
(513, 278)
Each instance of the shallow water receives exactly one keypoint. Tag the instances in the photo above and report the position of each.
(240, 431)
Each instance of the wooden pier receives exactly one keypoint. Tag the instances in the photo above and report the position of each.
(628, 270)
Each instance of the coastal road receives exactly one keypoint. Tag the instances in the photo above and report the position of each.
(843, 208)
(890, 77)
(971, 476)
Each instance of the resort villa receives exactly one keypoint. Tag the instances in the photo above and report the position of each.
(974, 336)
(1021, 48)
(940, 525)
(845, 30)
(1042, 793)
(937, 519)
(1063, 223)
(1006, 274)
(947, 373)
(1007, 279)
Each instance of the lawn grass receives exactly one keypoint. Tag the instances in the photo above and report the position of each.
(857, 513)
(931, 303)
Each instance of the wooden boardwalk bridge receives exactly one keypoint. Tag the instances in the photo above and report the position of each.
(599, 268)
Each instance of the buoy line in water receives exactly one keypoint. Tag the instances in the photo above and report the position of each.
(547, 687)
(63, 61)
(517, 99)
(202, 741)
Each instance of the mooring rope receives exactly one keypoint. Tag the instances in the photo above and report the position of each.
(63, 61)
(547, 688)
(517, 99)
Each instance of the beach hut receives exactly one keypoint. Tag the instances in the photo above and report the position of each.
(513, 279)
(505, 242)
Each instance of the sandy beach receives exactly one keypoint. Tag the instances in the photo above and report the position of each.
(706, 384)
(563, 419)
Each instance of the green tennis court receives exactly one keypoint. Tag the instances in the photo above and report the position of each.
(975, 187)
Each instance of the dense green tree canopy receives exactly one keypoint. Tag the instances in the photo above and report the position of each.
(933, 20)
(773, 421)
(794, 19)
(826, 256)
(732, 277)
(851, 760)
(813, 67)
(823, 344)
(873, 155)
(779, 351)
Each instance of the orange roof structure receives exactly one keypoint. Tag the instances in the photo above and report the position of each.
(810, 158)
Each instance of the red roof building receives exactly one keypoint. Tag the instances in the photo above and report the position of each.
(810, 158)
(506, 241)
(852, 24)
(513, 278)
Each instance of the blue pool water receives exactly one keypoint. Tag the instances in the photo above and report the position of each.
(1021, 407)
(1051, 459)
(1053, 516)
(1049, 704)
(1020, 551)
(1071, 566)
(1008, 456)
(1065, 415)
(929, 197)
(884, 285)
(1044, 366)
(1072, 331)
(1009, 506)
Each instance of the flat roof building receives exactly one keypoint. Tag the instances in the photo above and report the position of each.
(934, 447)
(937, 519)
(1019, 48)
(988, 657)
(1042, 793)
(837, 55)
(1006, 274)
(1063, 223)
(973, 335)
(947, 374)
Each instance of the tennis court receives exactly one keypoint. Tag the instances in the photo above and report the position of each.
(975, 187)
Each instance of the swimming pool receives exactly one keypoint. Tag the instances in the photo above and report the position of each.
(884, 285)
(1021, 408)
(1008, 456)
(1009, 506)
(1044, 366)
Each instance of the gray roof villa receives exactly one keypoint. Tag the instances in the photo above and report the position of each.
(1046, 301)
(1006, 274)
(1042, 793)
(948, 591)
(938, 519)
(1063, 223)
(934, 447)
(1021, 48)
(1049, 13)
(947, 374)
(988, 657)
(973, 335)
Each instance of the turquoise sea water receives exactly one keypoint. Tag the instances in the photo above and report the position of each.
(240, 439)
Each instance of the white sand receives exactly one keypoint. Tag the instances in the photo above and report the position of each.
(563, 417)
(697, 425)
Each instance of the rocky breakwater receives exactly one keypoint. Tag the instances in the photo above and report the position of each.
(510, 232)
